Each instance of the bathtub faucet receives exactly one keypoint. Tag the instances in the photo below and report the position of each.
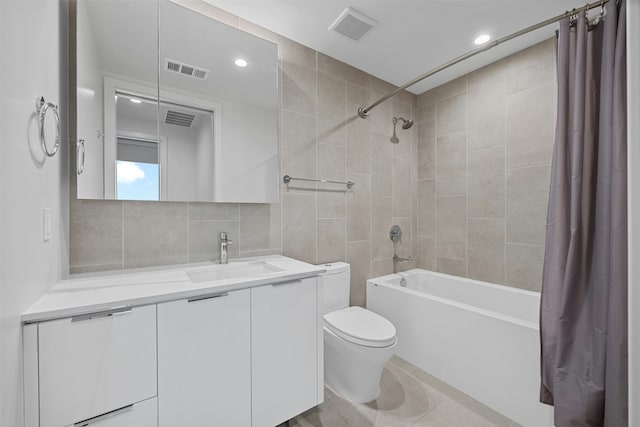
(397, 259)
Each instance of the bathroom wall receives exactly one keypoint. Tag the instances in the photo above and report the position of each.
(320, 137)
(29, 40)
(485, 142)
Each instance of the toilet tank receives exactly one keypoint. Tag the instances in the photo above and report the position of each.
(336, 283)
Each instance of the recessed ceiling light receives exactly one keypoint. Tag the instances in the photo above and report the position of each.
(135, 101)
(241, 62)
(482, 39)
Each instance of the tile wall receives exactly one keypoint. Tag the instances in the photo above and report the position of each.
(485, 142)
(320, 137)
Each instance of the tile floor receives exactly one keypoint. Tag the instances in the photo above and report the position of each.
(409, 397)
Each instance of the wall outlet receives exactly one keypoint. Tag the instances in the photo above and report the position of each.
(46, 225)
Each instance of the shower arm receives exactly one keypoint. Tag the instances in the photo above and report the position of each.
(364, 112)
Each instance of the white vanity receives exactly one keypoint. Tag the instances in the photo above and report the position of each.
(199, 345)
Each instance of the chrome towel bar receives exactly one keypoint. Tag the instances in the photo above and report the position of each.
(287, 179)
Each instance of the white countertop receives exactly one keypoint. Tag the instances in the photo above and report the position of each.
(88, 293)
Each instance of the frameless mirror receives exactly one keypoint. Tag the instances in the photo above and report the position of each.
(173, 105)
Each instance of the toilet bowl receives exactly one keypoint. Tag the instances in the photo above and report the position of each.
(357, 342)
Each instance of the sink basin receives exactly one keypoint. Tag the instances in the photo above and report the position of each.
(232, 270)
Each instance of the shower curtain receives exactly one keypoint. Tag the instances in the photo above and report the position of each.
(583, 312)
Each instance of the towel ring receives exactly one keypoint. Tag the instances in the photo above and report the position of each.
(43, 107)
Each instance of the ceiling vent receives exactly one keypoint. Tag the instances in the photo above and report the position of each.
(353, 24)
(179, 118)
(178, 67)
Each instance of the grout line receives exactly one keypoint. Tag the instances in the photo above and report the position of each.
(504, 249)
(466, 177)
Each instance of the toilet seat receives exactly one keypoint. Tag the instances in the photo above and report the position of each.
(361, 326)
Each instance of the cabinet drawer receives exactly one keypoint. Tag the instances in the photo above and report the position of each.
(143, 414)
(91, 365)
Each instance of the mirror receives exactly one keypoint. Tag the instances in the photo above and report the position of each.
(164, 112)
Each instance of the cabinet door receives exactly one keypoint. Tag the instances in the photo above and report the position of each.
(143, 414)
(284, 355)
(204, 363)
(90, 365)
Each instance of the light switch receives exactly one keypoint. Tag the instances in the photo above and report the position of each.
(46, 224)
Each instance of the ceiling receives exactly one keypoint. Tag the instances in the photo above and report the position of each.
(412, 37)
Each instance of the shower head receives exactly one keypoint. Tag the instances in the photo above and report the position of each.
(406, 124)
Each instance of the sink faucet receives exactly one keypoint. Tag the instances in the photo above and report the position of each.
(224, 243)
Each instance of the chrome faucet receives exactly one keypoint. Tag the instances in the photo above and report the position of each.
(397, 259)
(224, 243)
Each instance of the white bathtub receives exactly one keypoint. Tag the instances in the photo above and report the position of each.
(478, 337)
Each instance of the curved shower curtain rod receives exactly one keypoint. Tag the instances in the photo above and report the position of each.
(364, 112)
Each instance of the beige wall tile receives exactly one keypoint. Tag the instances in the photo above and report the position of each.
(357, 95)
(451, 176)
(332, 204)
(155, 209)
(444, 91)
(214, 211)
(489, 75)
(298, 147)
(359, 207)
(260, 227)
(95, 240)
(381, 117)
(527, 200)
(524, 266)
(331, 164)
(426, 113)
(332, 114)
(401, 187)
(427, 150)
(382, 164)
(299, 226)
(381, 217)
(359, 256)
(486, 253)
(426, 256)
(427, 208)
(532, 75)
(204, 239)
(455, 267)
(329, 65)
(381, 86)
(532, 55)
(298, 88)
(155, 240)
(530, 126)
(331, 240)
(451, 234)
(451, 115)
(487, 115)
(486, 183)
(95, 268)
(381, 267)
(358, 146)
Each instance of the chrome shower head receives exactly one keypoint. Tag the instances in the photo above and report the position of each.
(406, 123)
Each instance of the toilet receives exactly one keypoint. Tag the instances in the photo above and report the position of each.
(357, 342)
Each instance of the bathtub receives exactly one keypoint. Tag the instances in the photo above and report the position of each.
(478, 337)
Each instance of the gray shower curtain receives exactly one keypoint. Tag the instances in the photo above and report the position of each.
(583, 313)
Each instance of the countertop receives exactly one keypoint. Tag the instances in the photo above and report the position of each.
(94, 292)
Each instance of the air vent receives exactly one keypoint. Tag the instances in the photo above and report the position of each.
(178, 67)
(353, 24)
(179, 118)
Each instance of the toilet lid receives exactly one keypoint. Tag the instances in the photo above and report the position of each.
(360, 326)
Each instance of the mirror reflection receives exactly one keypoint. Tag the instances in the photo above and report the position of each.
(186, 114)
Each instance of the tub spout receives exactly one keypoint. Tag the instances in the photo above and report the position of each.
(397, 259)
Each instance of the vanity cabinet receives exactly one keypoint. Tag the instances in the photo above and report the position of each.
(93, 364)
(204, 367)
(248, 357)
(284, 354)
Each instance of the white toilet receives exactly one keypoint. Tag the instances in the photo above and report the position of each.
(357, 342)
